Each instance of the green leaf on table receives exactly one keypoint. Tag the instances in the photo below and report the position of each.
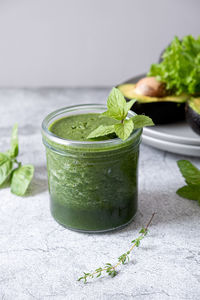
(140, 121)
(101, 131)
(5, 167)
(124, 130)
(189, 172)
(116, 104)
(192, 177)
(21, 179)
(191, 192)
(14, 142)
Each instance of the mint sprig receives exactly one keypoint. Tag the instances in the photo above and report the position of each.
(11, 169)
(117, 109)
(192, 178)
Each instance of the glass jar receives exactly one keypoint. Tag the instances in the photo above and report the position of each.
(92, 184)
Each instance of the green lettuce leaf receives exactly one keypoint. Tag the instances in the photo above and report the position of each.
(180, 67)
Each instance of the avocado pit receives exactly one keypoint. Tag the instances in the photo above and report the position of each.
(151, 87)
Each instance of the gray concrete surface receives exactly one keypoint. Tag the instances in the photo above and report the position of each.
(39, 259)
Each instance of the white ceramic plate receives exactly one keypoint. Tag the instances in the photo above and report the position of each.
(176, 132)
(171, 146)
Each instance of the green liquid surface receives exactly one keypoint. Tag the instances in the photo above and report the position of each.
(78, 127)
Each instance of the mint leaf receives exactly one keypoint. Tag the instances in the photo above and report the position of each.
(13, 152)
(21, 179)
(116, 105)
(124, 130)
(189, 172)
(129, 104)
(126, 107)
(191, 192)
(140, 121)
(101, 131)
(5, 167)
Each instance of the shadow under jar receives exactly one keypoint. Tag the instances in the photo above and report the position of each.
(92, 184)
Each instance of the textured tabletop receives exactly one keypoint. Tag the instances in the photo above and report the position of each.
(39, 259)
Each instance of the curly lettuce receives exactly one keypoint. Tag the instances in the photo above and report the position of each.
(180, 66)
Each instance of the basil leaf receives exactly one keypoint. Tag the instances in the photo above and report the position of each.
(5, 167)
(116, 105)
(189, 172)
(124, 130)
(140, 121)
(191, 192)
(21, 179)
(101, 131)
(14, 142)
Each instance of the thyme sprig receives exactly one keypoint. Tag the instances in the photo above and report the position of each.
(122, 259)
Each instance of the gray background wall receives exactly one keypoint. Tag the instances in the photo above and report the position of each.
(87, 42)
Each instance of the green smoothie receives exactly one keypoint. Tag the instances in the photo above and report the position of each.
(78, 127)
(93, 185)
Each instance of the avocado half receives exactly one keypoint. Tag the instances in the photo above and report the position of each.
(162, 110)
(193, 114)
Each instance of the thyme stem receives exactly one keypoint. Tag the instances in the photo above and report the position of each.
(110, 269)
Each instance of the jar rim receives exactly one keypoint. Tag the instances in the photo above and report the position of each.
(75, 108)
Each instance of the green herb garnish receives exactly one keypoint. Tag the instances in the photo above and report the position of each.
(180, 67)
(117, 109)
(110, 269)
(192, 178)
(11, 170)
